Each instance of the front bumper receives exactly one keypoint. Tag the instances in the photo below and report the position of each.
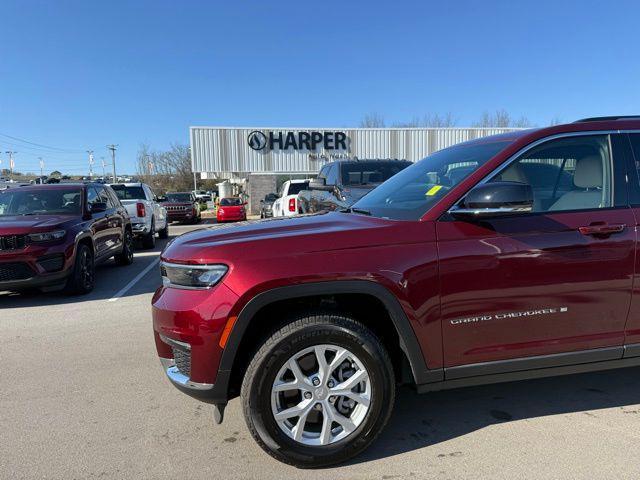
(188, 326)
(140, 229)
(36, 266)
(180, 216)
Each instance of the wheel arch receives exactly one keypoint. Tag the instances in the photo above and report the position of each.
(408, 341)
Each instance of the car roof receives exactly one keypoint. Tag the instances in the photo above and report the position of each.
(56, 186)
(128, 184)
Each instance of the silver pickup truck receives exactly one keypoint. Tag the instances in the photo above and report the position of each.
(148, 217)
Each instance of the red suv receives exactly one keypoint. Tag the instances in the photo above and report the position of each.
(499, 259)
(52, 236)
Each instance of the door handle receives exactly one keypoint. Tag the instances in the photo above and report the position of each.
(601, 229)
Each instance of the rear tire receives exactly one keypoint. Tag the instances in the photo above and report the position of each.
(164, 233)
(149, 240)
(354, 418)
(82, 278)
(126, 256)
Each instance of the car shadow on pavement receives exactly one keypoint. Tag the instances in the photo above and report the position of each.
(110, 279)
(426, 420)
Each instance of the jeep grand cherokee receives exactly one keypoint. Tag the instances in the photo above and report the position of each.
(502, 258)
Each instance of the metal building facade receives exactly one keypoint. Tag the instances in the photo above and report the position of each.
(233, 152)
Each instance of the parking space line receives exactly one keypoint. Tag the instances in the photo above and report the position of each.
(136, 279)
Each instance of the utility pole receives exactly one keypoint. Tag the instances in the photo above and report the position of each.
(104, 175)
(113, 160)
(90, 152)
(41, 168)
(12, 164)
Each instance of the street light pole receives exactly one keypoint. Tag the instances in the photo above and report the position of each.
(113, 160)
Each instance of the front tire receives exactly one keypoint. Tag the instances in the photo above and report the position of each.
(327, 371)
(82, 278)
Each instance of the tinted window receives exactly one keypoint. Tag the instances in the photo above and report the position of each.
(370, 173)
(179, 197)
(635, 144)
(128, 193)
(572, 173)
(296, 188)
(229, 202)
(332, 175)
(271, 197)
(410, 193)
(92, 196)
(43, 202)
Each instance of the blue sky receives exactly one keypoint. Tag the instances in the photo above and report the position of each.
(79, 75)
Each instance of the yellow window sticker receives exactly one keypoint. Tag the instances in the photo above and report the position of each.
(433, 190)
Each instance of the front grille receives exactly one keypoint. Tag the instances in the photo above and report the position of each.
(15, 271)
(13, 242)
(176, 209)
(183, 360)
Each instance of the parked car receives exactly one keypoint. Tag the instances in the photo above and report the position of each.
(287, 204)
(266, 205)
(53, 236)
(231, 209)
(340, 184)
(202, 196)
(182, 207)
(148, 217)
(475, 265)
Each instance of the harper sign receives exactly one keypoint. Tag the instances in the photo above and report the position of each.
(311, 141)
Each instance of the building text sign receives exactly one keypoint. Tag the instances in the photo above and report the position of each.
(289, 140)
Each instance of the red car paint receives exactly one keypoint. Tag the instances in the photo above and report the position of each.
(231, 210)
(439, 269)
(104, 231)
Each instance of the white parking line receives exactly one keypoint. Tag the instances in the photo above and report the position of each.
(137, 278)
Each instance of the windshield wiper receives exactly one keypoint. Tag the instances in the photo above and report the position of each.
(361, 211)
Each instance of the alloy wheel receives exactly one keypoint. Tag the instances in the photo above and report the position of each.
(321, 395)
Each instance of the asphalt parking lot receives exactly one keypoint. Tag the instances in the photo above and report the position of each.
(82, 395)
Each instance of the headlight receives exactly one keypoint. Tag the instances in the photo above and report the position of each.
(191, 276)
(47, 236)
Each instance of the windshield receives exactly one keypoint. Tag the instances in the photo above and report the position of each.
(179, 197)
(410, 193)
(43, 202)
(128, 193)
(230, 202)
(370, 173)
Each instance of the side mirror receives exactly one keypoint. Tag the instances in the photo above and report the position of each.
(320, 184)
(98, 207)
(495, 199)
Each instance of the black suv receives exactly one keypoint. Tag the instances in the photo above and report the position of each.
(52, 236)
(340, 184)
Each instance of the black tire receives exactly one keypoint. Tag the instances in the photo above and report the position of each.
(126, 256)
(164, 233)
(294, 337)
(82, 278)
(149, 240)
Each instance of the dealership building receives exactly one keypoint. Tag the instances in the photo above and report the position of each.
(256, 156)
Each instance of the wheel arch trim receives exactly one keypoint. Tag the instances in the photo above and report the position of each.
(408, 340)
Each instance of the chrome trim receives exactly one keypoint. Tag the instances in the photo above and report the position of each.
(530, 146)
(175, 343)
(170, 369)
(481, 211)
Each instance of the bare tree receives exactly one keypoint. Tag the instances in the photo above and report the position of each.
(555, 121)
(166, 170)
(372, 120)
(501, 119)
(429, 121)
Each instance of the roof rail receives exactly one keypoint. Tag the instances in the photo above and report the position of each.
(604, 119)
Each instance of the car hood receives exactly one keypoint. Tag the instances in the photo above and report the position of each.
(290, 235)
(23, 224)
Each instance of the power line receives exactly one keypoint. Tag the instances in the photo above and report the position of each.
(71, 150)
